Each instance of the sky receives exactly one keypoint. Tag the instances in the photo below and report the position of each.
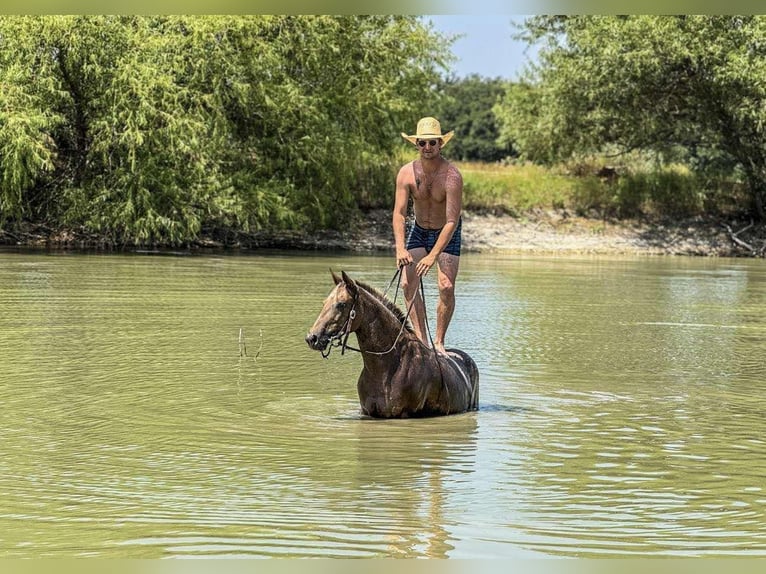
(486, 48)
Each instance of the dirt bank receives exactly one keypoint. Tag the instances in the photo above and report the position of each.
(560, 232)
(538, 232)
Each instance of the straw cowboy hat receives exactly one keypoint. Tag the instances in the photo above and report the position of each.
(429, 128)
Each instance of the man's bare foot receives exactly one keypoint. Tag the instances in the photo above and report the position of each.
(439, 348)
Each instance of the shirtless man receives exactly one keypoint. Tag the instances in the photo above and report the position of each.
(436, 188)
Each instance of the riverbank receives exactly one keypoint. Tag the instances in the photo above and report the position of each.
(559, 232)
(537, 232)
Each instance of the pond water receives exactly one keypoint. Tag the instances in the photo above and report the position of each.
(169, 407)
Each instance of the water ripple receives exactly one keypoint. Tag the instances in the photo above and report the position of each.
(620, 414)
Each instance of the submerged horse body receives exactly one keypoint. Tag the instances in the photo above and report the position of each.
(401, 376)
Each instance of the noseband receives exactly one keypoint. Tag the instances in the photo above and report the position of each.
(340, 339)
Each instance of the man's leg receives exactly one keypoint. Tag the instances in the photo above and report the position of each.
(411, 288)
(448, 266)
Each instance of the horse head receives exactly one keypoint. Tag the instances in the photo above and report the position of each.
(338, 314)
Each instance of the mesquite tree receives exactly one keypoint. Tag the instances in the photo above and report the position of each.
(696, 83)
(152, 129)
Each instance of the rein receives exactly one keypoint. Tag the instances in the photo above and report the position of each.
(341, 339)
(404, 323)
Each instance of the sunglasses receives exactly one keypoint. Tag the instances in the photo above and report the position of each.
(432, 143)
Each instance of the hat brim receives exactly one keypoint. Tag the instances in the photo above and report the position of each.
(444, 137)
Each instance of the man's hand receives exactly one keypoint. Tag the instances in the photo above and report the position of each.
(403, 258)
(425, 264)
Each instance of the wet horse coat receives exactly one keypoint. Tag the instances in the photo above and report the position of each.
(401, 376)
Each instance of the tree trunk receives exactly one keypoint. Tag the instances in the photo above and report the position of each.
(757, 185)
(759, 201)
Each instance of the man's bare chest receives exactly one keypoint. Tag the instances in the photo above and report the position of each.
(429, 187)
(436, 194)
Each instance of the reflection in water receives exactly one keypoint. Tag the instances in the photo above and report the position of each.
(621, 412)
(434, 461)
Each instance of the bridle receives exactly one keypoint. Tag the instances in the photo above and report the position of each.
(340, 339)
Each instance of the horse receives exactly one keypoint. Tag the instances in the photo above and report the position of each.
(401, 377)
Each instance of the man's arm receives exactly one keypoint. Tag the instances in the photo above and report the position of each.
(399, 218)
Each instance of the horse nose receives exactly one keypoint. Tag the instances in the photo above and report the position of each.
(311, 339)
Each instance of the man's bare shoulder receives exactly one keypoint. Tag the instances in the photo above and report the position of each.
(407, 172)
(452, 168)
(454, 176)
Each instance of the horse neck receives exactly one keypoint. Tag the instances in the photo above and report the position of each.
(379, 327)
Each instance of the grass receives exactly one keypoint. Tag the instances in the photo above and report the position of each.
(513, 189)
(671, 190)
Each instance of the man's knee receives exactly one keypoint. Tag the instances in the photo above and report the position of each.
(446, 288)
(409, 283)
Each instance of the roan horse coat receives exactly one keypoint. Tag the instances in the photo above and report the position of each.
(401, 376)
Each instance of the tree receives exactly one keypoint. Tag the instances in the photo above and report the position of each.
(645, 82)
(150, 129)
(467, 108)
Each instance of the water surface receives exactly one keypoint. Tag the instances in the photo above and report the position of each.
(622, 405)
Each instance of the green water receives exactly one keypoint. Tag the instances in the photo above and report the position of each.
(621, 412)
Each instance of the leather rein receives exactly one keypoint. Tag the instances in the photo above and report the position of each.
(341, 338)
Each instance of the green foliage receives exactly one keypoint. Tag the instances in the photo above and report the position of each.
(152, 129)
(527, 120)
(513, 189)
(467, 108)
(26, 154)
(638, 189)
(660, 83)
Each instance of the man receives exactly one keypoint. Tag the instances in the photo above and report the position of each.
(436, 188)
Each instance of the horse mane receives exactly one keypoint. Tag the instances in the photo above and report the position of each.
(388, 304)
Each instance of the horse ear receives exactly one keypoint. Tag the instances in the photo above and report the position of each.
(350, 285)
(335, 277)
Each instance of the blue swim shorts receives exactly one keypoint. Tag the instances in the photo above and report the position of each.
(426, 238)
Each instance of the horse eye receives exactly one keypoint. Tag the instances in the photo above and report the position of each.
(340, 305)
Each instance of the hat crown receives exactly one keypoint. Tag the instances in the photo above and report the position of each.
(429, 127)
